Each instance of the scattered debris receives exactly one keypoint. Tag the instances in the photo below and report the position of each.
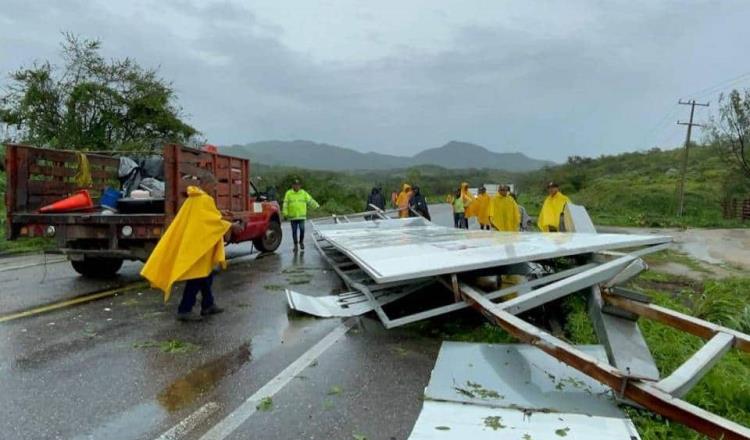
(562, 432)
(335, 390)
(494, 422)
(169, 346)
(475, 390)
(265, 404)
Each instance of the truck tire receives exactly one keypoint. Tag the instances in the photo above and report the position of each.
(97, 267)
(271, 240)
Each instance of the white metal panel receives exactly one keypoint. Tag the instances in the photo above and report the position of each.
(517, 376)
(402, 249)
(446, 420)
(516, 391)
(327, 306)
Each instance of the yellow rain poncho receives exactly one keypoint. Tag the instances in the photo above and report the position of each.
(469, 205)
(504, 213)
(192, 245)
(482, 203)
(402, 201)
(549, 216)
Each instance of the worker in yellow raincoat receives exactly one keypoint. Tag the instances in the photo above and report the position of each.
(469, 206)
(554, 204)
(482, 204)
(402, 201)
(190, 249)
(504, 213)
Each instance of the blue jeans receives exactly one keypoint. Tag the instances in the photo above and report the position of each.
(190, 294)
(298, 225)
(458, 220)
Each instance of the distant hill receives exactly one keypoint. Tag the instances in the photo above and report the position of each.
(462, 155)
(315, 156)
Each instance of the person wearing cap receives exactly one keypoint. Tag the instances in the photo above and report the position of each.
(418, 204)
(552, 209)
(296, 201)
(482, 204)
(504, 214)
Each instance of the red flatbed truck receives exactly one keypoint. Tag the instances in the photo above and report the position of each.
(97, 243)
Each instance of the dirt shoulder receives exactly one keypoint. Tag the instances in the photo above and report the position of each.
(727, 251)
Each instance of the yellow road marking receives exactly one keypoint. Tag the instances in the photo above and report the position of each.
(83, 299)
(70, 302)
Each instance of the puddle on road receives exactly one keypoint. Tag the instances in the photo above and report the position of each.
(199, 381)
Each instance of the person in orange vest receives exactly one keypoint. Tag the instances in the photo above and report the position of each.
(552, 209)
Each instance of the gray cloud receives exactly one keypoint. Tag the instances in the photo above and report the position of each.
(591, 79)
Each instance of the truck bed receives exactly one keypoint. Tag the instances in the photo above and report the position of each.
(39, 176)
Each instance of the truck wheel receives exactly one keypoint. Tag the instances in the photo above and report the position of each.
(97, 267)
(271, 240)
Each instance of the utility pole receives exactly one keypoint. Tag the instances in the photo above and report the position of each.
(681, 184)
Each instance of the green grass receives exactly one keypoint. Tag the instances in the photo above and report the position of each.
(22, 245)
(463, 330)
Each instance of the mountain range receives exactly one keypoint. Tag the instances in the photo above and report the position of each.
(316, 156)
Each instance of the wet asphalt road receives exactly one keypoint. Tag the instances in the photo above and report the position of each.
(104, 370)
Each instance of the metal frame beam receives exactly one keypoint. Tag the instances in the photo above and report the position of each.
(690, 324)
(641, 392)
(559, 289)
(687, 375)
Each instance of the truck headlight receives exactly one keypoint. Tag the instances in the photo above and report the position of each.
(127, 231)
(50, 231)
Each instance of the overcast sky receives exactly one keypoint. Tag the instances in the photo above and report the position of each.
(550, 79)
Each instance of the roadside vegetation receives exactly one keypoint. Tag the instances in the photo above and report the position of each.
(630, 189)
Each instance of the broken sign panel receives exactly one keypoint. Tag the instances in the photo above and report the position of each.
(516, 391)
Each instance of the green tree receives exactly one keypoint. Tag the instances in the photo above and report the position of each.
(91, 103)
(730, 134)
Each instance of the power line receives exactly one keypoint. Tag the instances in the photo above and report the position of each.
(681, 184)
(659, 128)
(719, 86)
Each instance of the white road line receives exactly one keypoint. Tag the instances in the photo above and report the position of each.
(190, 422)
(231, 422)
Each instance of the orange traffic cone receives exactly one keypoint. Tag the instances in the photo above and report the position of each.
(76, 202)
